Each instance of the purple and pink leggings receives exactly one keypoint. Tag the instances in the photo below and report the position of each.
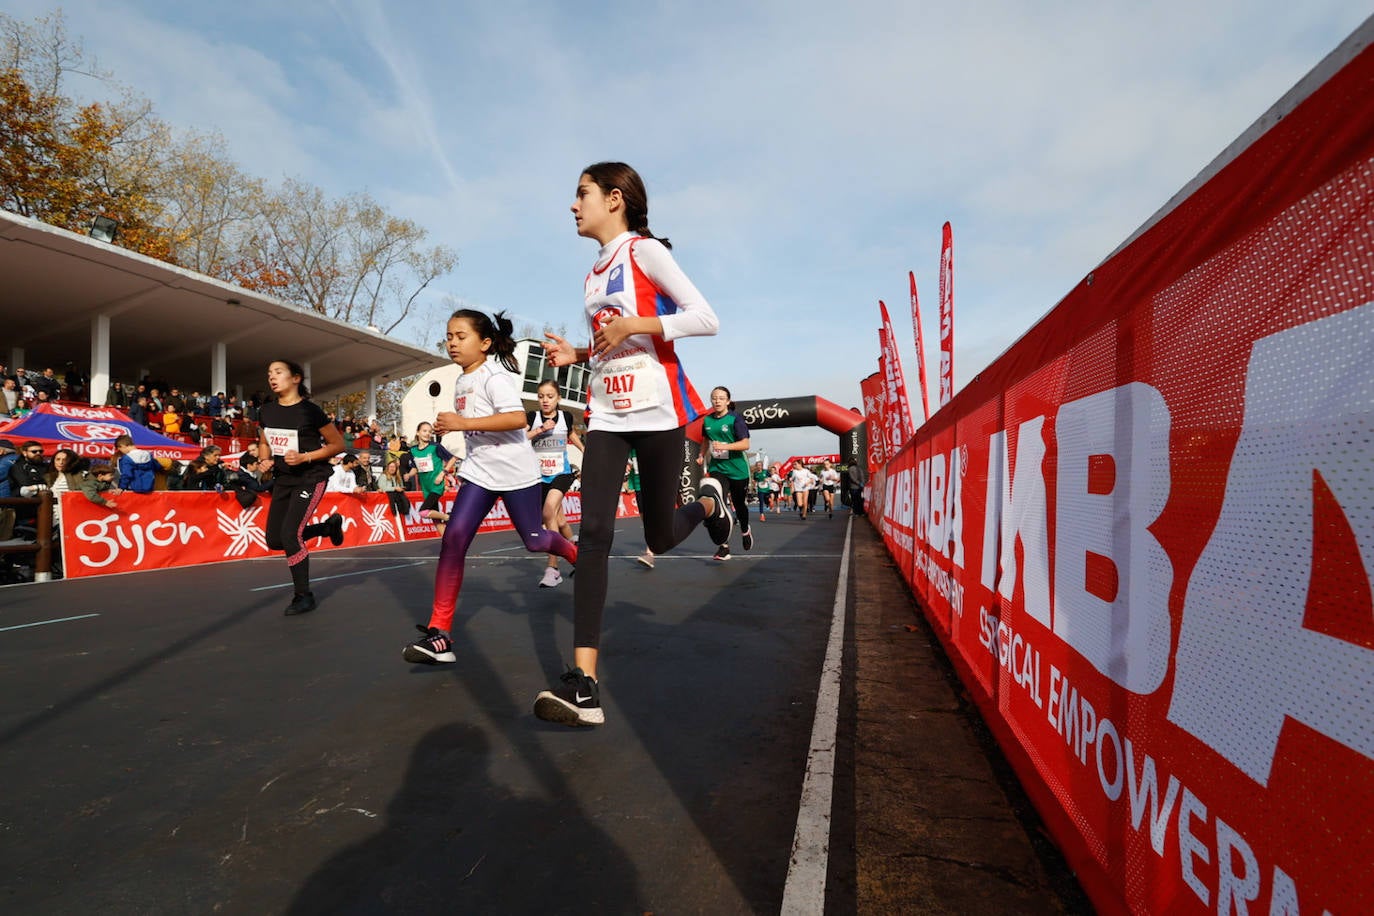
(470, 506)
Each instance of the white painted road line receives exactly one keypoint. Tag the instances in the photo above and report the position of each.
(804, 892)
(39, 623)
(361, 572)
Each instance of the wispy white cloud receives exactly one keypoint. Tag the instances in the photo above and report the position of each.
(802, 154)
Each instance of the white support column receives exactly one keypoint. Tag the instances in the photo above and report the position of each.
(17, 358)
(100, 359)
(371, 409)
(305, 367)
(218, 372)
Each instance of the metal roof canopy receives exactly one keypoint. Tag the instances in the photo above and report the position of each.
(167, 320)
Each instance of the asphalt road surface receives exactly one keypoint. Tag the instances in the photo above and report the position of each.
(171, 743)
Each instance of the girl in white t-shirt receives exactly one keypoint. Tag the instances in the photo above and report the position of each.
(802, 482)
(830, 485)
(500, 463)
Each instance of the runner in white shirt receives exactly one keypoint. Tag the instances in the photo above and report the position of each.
(551, 432)
(638, 303)
(499, 463)
(830, 485)
(802, 482)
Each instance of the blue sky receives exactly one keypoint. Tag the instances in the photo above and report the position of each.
(801, 155)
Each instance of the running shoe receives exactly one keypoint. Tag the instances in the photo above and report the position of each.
(720, 523)
(301, 604)
(577, 701)
(435, 649)
(748, 537)
(552, 578)
(334, 529)
(722, 552)
(646, 558)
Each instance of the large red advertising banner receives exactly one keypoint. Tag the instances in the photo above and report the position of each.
(1146, 536)
(162, 530)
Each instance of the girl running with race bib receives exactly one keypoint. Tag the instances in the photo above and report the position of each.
(499, 464)
(551, 432)
(638, 302)
(727, 440)
(299, 439)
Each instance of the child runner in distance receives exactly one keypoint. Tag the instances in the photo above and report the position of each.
(830, 485)
(431, 463)
(763, 486)
(802, 481)
(299, 440)
(638, 303)
(727, 440)
(551, 432)
(499, 463)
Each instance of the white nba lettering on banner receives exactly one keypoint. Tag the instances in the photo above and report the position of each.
(1126, 637)
(114, 533)
(899, 513)
(1307, 416)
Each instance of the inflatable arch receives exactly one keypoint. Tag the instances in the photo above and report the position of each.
(783, 413)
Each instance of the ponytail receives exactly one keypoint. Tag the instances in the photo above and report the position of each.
(498, 329)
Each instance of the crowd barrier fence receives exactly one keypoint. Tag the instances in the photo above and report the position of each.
(1145, 534)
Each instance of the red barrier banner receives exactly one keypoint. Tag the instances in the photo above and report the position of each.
(167, 529)
(1146, 535)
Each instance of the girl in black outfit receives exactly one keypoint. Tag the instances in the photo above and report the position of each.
(299, 439)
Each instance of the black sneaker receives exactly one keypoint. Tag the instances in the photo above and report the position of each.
(720, 523)
(722, 552)
(748, 538)
(435, 649)
(577, 701)
(301, 604)
(334, 529)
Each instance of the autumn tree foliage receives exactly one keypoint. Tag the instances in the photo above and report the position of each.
(179, 197)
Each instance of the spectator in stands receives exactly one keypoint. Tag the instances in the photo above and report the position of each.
(171, 421)
(29, 477)
(251, 474)
(344, 478)
(8, 456)
(205, 471)
(116, 396)
(9, 397)
(137, 468)
(156, 403)
(68, 475)
(138, 411)
(75, 382)
(214, 404)
(25, 383)
(390, 483)
(47, 382)
(105, 484)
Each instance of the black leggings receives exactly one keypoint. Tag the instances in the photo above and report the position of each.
(292, 504)
(665, 524)
(738, 491)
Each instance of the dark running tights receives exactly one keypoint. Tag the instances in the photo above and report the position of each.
(287, 531)
(665, 525)
(738, 491)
